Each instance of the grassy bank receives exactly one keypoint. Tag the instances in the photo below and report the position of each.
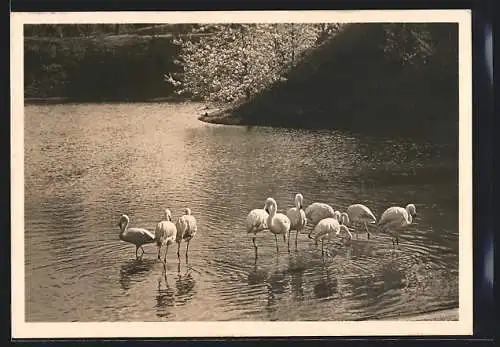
(349, 83)
(118, 67)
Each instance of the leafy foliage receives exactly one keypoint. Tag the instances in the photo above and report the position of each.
(231, 62)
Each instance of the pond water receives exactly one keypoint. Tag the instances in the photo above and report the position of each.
(86, 164)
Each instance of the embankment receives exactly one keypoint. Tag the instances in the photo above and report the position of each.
(349, 84)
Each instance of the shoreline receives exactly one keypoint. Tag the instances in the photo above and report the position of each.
(451, 314)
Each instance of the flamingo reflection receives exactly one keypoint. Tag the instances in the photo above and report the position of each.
(165, 298)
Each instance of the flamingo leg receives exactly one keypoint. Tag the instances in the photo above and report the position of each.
(159, 251)
(187, 249)
(254, 244)
(296, 235)
(165, 258)
(179, 250)
(136, 250)
(322, 251)
(276, 239)
(367, 232)
(289, 233)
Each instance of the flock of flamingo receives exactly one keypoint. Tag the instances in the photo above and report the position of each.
(325, 222)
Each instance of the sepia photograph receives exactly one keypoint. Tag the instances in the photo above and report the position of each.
(245, 173)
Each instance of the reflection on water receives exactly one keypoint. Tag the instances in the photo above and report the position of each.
(179, 294)
(165, 297)
(326, 286)
(86, 164)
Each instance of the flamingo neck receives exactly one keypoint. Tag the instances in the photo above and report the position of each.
(272, 210)
(344, 218)
(410, 218)
(123, 228)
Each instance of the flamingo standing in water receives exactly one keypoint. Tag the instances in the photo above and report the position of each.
(278, 223)
(318, 211)
(396, 218)
(297, 218)
(136, 236)
(360, 214)
(326, 229)
(186, 230)
(256, 222)
(165, 233)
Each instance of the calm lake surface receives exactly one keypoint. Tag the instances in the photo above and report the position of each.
(86, 164)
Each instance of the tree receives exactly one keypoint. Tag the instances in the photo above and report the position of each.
(235, 61)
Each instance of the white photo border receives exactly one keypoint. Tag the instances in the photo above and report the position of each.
(23, 329)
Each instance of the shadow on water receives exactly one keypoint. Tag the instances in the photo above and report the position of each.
(135, 271)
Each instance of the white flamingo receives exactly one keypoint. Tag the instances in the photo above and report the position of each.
(278, 223)
(186, 230)
(165, 233)
(297, 218)
(360, 214)
(318, 211)
(136, 236)
(396, 218)
(326, 229)
(256, 222)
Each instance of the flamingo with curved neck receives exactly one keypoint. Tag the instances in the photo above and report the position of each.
(136, 236)
(395, 219)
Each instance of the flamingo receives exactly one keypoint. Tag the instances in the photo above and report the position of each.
(186, 230)
(278, 223)
(318, 211)
(256, 222)
(326, 229)
(360, 214)
(136, 236)
(165, 233)
(395, 218)
(297, 218)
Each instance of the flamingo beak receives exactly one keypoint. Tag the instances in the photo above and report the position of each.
(301, 207)
(266, 209)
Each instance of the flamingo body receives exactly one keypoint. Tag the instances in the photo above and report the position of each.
(278, 223)
(186, 230)
(360, 214)
(328, 228)
(318, 211)
(297, 217)
(256, 220)
(396, 218)
(165, 233)
(135, 236)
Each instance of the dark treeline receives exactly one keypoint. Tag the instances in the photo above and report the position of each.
(100, 62)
